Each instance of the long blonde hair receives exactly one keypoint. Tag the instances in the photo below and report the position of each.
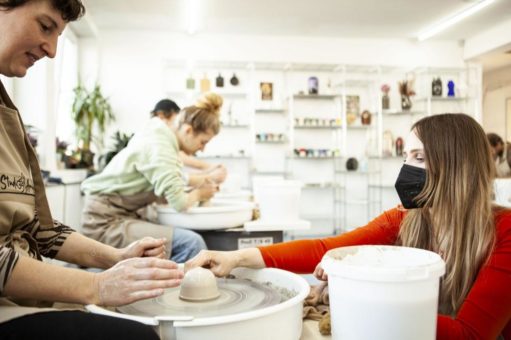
(204, 115)
(456, 218)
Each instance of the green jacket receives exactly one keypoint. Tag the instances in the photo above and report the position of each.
(150, 162)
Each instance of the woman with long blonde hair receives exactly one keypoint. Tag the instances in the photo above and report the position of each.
(445, 187)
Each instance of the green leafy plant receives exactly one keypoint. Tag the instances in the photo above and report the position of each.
(121, 140)
(90, 109)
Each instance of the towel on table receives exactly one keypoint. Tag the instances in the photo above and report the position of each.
(317, 307)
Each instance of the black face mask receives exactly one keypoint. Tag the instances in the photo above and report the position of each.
(409, 184)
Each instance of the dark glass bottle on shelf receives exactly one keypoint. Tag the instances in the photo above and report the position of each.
(219, 81)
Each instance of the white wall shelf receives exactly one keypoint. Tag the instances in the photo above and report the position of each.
(271, 142)
(441, 99)
(236, 126)
(305, 127)
(312, 158)
(224, 157)
(270, 111)
(315, 96)
(367, 190)
(390, 113)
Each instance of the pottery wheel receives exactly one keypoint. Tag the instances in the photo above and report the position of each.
(236, 296)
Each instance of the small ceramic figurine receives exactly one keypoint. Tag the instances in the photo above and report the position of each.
(219, 81)
(436, 87)
(313, 85)
(450, 86)
(352, 164)
(234, 80)
(388, 142)
(205, 84)
(190, 83)
(366, 117)
(399, 146)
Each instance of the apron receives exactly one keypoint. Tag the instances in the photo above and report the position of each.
(22, 192)
(118, 220)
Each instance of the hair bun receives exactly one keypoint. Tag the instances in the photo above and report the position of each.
(210, 102)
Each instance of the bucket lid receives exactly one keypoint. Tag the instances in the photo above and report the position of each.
(383, 263)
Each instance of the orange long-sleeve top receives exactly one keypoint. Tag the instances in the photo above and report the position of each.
(485, 313)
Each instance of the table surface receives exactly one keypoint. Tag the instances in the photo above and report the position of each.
(310, 331)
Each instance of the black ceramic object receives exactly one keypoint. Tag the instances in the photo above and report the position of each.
(436, 87)
(219, 81)
(234, 80)
(352, 164)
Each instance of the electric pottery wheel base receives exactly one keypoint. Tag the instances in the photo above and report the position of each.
(254, 305)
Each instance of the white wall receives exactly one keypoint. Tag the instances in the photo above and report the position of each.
(492, 39)
(497, 89)
(130, 63)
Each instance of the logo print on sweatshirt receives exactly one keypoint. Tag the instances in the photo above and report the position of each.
(16, 184)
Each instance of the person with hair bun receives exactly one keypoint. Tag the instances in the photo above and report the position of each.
(148, 169)
(168, 111)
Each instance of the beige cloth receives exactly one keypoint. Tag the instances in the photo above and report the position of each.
(317, 307)
(120, 220)
(22, 193)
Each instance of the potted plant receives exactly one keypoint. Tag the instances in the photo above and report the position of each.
(90, 109)
(406, 91)
(121, 140)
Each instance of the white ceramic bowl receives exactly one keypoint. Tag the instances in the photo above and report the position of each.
(242, 195)
(219, 215)
(282, 321)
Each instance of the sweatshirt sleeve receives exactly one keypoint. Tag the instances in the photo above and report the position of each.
(8, 259)
(163, 168)
(302, 256)
(486, 312)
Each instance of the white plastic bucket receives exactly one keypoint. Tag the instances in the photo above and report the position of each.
(279, 201)
(258, 181)
(383, 292)
(232, 183)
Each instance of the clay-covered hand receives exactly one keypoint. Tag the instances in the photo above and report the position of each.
(207, 190)
(219, 262)
(145, 247)
(135, 279)
(319, 273)
(218, 174)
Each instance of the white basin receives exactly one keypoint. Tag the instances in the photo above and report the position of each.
(221, 214)
(282, 321)
(242, 195)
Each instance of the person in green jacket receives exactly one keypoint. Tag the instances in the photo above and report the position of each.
(150, 168)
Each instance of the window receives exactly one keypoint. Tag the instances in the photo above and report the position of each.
(67, 77)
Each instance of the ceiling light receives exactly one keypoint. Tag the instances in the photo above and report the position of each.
(453, 19)
(192, 14)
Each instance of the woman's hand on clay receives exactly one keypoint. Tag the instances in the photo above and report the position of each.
(221, 263)
(135, 279)
(319, 273)
(207, 190)
(145, 247)
(218, 174)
